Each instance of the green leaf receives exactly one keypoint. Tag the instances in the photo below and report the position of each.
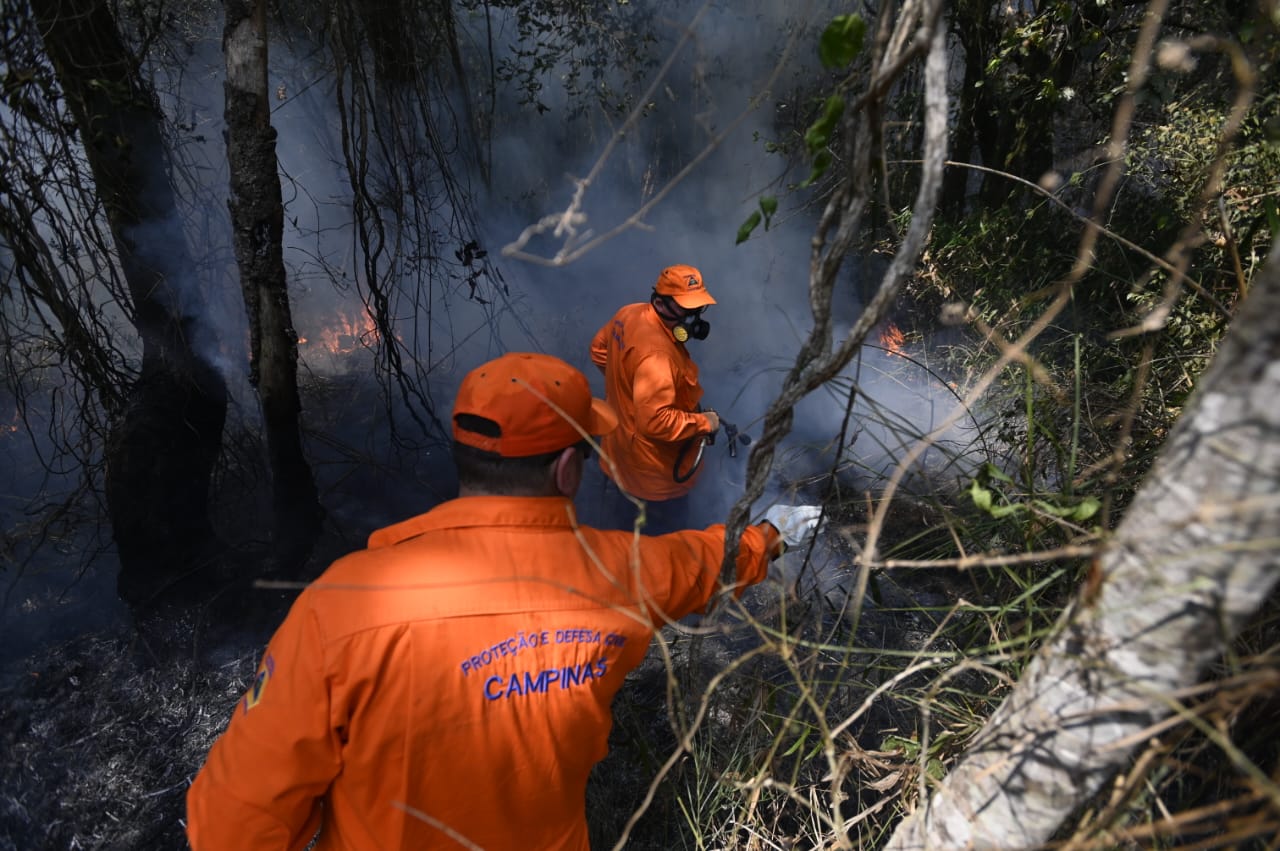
(841, 41)
(798, 744)
(818, 136)
(980, 495)
(744, 232)
(909, 747)
(768, 206)
(1055, 510)
(1005, 510)
(1087, 508)
(993, 472)
(821, 163)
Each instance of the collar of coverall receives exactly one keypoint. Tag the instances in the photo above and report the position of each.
(466, 512)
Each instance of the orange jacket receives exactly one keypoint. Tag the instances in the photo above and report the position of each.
(457, 676)
(652, 384)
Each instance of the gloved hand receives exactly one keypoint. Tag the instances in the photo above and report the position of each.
(797, 524)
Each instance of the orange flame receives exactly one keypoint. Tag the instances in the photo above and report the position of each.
(344, 334)
(892, 339)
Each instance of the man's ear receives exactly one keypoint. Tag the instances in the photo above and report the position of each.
(567, 471)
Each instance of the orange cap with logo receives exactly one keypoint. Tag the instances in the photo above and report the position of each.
(534, 404)
(684, 284)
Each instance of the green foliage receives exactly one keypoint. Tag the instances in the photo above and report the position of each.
(909, 749)
(1079, 403)
(768, 206)
(839, 46)
(999, 504)
(841, 41)
(1168, 158)
(1004, 266)
(1024, 62)
(818, 137)
(820, 132)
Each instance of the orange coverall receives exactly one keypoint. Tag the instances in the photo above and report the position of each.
(457, 675)
(652, 384)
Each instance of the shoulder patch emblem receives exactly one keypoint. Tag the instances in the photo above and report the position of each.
(259, 687)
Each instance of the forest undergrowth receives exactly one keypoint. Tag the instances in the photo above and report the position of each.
(812, 714)
(800, 704)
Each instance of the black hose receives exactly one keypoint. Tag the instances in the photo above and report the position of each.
(701, 441)
(698, 440)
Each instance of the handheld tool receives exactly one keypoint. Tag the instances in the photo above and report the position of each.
(699, 444)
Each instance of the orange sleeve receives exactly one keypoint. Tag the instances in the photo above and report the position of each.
(654, 396)
(756, 548)
(689, 577)
(261, 784)
(600, 346)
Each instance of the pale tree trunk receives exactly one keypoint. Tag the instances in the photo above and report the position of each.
(1196, 554)
(257, 220)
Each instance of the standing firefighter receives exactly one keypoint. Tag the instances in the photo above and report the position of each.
(451, 684)
(652, 382)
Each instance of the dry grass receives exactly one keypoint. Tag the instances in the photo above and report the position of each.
(736, 736)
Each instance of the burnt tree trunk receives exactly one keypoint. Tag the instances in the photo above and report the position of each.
(257, 221)
(392, 45)
(163, 445)
(976, 33)
(1193, 559)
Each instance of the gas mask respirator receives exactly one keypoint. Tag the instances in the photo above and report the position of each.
(689, 324)
(692, 325)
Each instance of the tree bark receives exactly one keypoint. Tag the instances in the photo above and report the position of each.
(975, 32)
(163, 446)
(392, 46)
(1195, 555)
(257, 221)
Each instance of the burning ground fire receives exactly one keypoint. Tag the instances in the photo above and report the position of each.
(344, 334)
(892, 340)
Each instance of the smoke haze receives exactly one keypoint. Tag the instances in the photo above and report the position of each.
(761, 285)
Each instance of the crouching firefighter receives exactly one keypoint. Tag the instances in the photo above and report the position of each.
(450, 685)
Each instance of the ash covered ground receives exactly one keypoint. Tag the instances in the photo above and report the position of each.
(102, 736)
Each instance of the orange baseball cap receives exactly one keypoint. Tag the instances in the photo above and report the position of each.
(684, 284)
(534, 401)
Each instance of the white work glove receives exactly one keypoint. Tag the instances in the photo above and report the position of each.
(797, 524)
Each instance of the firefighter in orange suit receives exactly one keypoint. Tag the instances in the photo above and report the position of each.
(450, 686)
(652, 382)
